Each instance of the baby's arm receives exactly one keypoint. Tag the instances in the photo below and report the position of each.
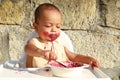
(82, 58)
(32, 50)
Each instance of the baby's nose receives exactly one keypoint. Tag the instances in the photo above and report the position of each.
(54, 29)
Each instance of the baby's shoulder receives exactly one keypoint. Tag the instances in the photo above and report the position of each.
(32, 40)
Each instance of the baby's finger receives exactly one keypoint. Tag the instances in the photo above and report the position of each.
(93, 64)
(91, 67)
(96, 64)
(52, 56)
(46, 54)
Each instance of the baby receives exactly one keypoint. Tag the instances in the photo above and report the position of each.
(40, 50)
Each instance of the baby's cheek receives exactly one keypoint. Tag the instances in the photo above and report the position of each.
(46, 33)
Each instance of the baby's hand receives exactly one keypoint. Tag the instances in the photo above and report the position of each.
(93, 63)
(49, 55)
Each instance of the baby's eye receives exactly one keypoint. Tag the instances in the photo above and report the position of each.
(58, 26)
(47, 26)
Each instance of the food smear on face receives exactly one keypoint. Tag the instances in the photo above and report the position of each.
(52, 36)
(68, 64)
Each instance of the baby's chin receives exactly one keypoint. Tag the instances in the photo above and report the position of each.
(45, 40)
(49, 40)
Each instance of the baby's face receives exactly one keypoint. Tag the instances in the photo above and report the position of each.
(50, 23)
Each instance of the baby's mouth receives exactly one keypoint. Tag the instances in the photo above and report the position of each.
(52, 36)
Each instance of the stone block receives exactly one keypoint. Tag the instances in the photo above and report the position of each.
(112, 13)
(17, 37)
(11, 12)
(77, 14)
(4, 44)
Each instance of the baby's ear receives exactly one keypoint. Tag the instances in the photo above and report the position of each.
(35, 26)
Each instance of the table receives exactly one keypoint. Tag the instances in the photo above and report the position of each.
(42, 74)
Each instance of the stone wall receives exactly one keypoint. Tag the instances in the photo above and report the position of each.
(93, 26)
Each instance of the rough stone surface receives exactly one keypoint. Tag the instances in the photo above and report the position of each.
(4, 44)
(17, 37)
(112, 13)
(77, 14)
(11, 12)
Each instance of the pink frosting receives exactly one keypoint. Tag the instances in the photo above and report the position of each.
(52, 36)
(68, 63)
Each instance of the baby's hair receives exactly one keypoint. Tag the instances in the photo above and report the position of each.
(42, 7)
